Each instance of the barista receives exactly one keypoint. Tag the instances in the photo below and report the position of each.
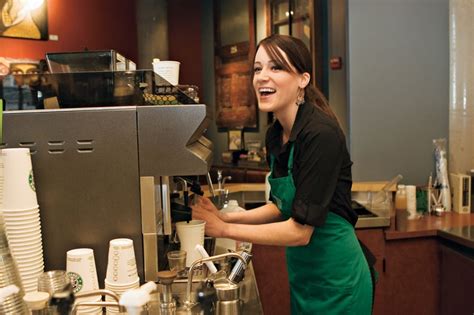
(310, 183)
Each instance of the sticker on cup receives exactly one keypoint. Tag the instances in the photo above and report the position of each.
(76, 281)
(31, 181)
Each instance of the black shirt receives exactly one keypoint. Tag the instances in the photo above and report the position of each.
(321, 166)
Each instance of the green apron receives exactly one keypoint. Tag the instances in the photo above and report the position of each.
(330, 275)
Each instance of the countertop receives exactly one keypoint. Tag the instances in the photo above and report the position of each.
(356, 186)
(381, 220)
(463, 235)
(428, 225)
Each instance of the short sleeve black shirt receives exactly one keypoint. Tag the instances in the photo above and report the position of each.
(321, 166)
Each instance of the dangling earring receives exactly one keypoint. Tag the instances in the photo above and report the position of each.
(300, 97)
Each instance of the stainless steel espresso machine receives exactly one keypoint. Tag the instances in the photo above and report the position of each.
(106, 163)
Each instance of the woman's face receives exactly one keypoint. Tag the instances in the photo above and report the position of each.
(276, 89)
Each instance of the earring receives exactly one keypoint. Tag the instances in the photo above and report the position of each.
(300, 97)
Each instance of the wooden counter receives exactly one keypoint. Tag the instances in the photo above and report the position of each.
(427, 225)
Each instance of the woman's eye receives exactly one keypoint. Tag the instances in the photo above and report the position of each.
(276, 68)
(257, 69)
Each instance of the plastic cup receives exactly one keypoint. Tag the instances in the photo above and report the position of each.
(121, 266)
(81, 269)
(177, 261)
(53, 281)
(19, 190)
(168, 70)
(190, 234)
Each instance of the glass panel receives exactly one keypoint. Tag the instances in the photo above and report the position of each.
(280, 11)
(283, 30)
(91, 89)
(301, 8)
(302, 30)
(234, 21)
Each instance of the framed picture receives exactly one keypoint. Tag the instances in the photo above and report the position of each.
(235, 140)
(24, 19)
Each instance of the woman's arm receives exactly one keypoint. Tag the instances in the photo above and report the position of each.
(253, 225)
(284, 233)
(264, 214)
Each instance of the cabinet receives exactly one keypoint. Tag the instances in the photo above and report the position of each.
(374, 240)
(269, 263)
(408, 273)
(411, 277)
(457, 281)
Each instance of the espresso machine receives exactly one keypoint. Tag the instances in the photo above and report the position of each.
(108, 169)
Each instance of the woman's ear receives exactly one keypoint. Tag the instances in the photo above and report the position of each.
(305, 77)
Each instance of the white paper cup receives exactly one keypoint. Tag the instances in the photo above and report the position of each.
(122, 287)
(121, 265)
(81, 269)
(168, 70)
(411, 202)
(19, 190)
(31, 210)
(190, 234)
(8, 217)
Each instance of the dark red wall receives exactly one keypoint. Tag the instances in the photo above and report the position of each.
(95, 24)
(184, 39)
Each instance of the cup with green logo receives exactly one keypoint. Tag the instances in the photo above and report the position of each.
(19, 191)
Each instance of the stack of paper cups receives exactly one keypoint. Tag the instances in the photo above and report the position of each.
(122, 274)
(81, 269)
(20, 211)
(411, 202)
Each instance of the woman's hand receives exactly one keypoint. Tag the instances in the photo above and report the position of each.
(215, 226)
(206, 204)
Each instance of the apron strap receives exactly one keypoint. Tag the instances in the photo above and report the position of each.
(290, 160)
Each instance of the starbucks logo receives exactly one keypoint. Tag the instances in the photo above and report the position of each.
(76, 281)
(31, 180)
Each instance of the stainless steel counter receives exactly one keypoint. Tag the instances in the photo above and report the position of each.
(248, 294)
(375, 218)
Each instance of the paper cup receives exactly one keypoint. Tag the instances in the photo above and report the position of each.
(411, 202)
(81, 269)
(121, 266)
(190, 234)
(168, 70)
(19, 190)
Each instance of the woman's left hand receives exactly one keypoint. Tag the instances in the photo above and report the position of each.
(215, 227)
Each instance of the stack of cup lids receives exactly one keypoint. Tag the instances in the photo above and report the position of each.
(82, 272)
(122, 274)
(21, 215)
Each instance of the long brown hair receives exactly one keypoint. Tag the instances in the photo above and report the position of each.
(300, 59)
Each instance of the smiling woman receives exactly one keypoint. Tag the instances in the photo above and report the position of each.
(24, 19)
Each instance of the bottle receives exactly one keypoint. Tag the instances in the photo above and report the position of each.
(401, 213)
(401, 198)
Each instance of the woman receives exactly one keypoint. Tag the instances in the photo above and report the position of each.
(310, 183)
